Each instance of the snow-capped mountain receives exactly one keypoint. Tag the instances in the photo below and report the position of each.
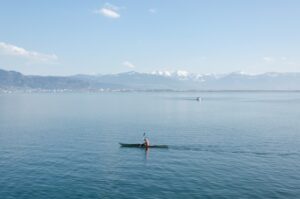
(185, 75)
(180, 74)
(173, 80)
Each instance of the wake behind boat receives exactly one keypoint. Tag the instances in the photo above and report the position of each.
(143, 146)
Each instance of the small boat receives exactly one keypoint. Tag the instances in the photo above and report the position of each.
(199, 99)
(143, 146)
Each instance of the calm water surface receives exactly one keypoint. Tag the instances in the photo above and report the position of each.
(229, 145)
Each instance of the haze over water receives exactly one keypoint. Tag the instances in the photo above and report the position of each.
(229, 145)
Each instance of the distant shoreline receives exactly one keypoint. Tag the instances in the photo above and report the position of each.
(12, 91)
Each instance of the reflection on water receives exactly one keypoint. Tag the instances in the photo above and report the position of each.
(147, 153)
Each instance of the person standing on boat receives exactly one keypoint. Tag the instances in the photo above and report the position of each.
(146, 142)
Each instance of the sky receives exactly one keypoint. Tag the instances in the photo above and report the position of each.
(54, 37)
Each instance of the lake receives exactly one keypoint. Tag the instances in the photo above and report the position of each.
(229, 145)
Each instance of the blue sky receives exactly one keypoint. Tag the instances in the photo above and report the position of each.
(54, 37)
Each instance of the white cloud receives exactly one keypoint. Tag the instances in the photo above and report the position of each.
(109, 13)
(128, 64)
(12, 50)
(109, 10)
(152, 10)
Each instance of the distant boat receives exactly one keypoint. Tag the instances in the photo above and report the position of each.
(142, 145)
(199, 99)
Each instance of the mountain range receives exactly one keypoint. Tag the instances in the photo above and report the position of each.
(157, 80)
